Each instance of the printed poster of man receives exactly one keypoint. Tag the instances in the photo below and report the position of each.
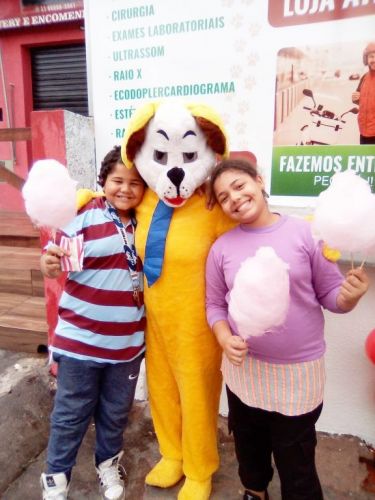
(322, 122)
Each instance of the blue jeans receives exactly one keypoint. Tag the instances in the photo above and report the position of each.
(85, 390)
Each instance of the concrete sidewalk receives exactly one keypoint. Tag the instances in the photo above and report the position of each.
(24, 412)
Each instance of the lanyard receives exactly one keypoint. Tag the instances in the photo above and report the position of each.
(130, 254)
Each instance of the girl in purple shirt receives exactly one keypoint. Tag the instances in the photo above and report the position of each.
(275, 381)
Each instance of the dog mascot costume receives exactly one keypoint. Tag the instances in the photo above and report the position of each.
(175, 147)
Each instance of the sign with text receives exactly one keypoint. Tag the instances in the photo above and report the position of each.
(307, 171)
(39, 12)
(241, 57)
(291, 12)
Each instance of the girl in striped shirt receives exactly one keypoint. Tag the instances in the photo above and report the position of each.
(275, 381)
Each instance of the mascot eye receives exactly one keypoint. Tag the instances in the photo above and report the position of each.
(161, 157)
(189, 157)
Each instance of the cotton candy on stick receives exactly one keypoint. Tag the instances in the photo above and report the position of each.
(345, 213)
(259, 299)
(50, 194)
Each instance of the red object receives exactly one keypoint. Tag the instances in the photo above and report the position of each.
(16, 46)
(370, 346)
(245, 155)
(48, 140)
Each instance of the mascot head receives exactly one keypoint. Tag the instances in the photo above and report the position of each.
(174, 147)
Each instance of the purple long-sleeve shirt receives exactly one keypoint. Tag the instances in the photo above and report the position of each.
(314, 283)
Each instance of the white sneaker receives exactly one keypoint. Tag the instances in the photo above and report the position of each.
(111, 475)
(54, 486)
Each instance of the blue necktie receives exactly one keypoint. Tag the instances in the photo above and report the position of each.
(155, 245)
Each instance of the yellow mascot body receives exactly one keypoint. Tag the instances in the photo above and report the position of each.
(174, 147)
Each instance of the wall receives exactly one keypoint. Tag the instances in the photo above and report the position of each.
(14, 46)
(237, 50)
(349, 406)
(68, 138)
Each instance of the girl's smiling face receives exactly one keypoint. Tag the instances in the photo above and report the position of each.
(124, 189)
(241, 197)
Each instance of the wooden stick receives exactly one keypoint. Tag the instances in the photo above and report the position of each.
(363, 262)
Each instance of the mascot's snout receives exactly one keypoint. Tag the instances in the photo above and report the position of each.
(176, 175)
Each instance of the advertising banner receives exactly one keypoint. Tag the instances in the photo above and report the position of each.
(283, 74)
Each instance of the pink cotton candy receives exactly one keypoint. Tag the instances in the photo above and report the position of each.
(259, 299)
(345, 213)
(50, 194)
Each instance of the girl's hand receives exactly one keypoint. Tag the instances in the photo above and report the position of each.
(355, 97)
(235, 349)
(50, 263)
(353, 288)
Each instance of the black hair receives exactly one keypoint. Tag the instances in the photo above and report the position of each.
(111, 159)
(239, 164)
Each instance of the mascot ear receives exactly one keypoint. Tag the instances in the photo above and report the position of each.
(215, 137)
(136, 131)
(212, 126)
(132, 147)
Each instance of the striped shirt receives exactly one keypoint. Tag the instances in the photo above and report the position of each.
(291, 389)
(98, 318)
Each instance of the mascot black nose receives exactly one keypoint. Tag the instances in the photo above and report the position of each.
(176, 175)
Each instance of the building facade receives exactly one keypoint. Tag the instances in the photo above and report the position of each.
(42, 67)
